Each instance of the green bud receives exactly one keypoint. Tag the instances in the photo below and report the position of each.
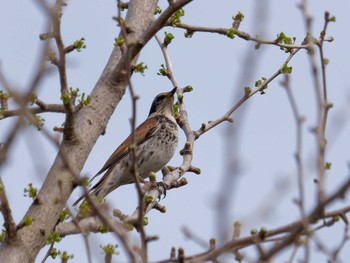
(84, 208)
(2, 235)
(80, 44)
(149, 199)
(176, 108)
(111, 249)
(188, 88)
(104, 229)
(33, 98)
(64, 215)
(183, 181)
(119, 41)
(197, 170)
(54, 237)
(286, 69)
(31, 191)
(176, 17)
(162, 71)
(65, 256)
(239, 16)
(231, 33)
(247, 91)
(263, 232)
(188, 34)
(65, 98)
(158, 10)
(141, 67)
(168, 38)
(254, 231)
(74, 92)
(152, 176)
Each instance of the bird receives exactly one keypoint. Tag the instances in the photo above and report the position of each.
(156, 141)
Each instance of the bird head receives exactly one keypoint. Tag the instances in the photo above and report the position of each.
(163, 104)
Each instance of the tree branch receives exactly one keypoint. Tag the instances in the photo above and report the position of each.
(10, 224)
(69, 130)
(243, 35)
(237, 244)
(58, 108)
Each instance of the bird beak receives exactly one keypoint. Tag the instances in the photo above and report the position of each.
(172, 92)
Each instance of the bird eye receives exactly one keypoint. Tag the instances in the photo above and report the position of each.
(160, 98)
(157, 100)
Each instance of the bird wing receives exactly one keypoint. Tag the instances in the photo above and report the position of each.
(142, 133)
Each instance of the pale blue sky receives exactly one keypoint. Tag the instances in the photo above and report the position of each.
(213, 65)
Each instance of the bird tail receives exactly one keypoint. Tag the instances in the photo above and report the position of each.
(95, 191)
(79, 199)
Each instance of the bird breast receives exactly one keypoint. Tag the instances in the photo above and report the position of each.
(157, 151)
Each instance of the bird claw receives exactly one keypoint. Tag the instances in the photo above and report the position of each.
(162, 189)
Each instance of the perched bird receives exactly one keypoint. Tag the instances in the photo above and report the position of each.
(156, 141)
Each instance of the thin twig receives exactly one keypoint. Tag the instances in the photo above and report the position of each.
(248, 94)
(293, 230)
(10, 224)
(57, 108)
(69, 133)
(317, 213)
(48, 253)
(299, 120)
(83, 232)
(339, 248)
(243, 35)
(119, 229)
(319, 131)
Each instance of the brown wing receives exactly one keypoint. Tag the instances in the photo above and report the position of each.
(142, 133)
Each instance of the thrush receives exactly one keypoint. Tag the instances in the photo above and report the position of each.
(156, 141)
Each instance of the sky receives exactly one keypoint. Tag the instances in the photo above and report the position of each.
(215, 66)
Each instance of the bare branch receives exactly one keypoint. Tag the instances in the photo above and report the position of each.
(57, 108)
(248, 94)
(236, 244)
(68, 104)
(10, 224)
(299, 120)
(243, 35)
